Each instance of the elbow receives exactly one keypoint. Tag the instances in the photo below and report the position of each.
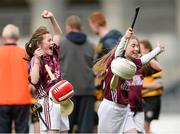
(160, 69)
(155, 65)
(157, 68)
(34, 81)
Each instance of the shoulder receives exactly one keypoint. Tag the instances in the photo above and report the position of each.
(111, 37)
(137, 62)
(64, 41)
(113, 34)
(19, 50)
(116, 33)
(63, 38)
(90, 43)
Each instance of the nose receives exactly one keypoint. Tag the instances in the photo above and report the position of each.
(136, 48)
(52, 43)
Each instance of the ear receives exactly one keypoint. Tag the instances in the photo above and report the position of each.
(68, 29)
(39, 44)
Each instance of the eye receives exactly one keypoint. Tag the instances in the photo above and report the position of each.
(49, 40)
(133, 45)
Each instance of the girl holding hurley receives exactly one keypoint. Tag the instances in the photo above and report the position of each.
(114, 113)
(43, 45)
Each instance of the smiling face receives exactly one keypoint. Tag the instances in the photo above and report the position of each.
(133, 49)
(47, 44)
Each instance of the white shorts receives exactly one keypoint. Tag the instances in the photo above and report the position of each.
(52, 116)
(139, 121)
(114, 118)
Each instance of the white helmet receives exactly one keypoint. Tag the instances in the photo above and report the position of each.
(123, 68)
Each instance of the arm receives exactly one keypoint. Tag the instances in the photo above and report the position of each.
(34, 74)
(147, 57)
(56, 28)
(35, 65)
(109, 43)
(153, 85)
(155, 65)
(120, 47)
(32, 88)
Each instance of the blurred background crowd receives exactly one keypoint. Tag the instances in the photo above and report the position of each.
(158, 20)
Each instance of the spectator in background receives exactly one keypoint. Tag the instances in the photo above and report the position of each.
(77, 55)
(15, 96)
(108, 39)
(152, 91)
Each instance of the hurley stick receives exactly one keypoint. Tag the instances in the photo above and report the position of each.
(115, 78)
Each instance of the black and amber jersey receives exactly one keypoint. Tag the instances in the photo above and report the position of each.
(153, 92)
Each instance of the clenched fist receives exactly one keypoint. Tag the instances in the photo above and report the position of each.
(46, 14)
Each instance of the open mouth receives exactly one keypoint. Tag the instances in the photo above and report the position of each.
(51, 48)
(136, 55)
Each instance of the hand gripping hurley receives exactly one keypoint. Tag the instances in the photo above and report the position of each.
(122, 67)
(61, 92)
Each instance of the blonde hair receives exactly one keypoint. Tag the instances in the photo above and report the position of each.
(10, 31)
(74, 22)
(101, 64)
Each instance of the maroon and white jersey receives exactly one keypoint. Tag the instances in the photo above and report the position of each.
(120, 95)
(135, 87)
(45, 82)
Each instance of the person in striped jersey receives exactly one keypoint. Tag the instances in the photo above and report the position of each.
(152, 91)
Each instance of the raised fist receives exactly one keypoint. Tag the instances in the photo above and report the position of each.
(46, 14)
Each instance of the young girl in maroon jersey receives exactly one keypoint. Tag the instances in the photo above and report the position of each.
(135, 89)
(43, 48)
(114, 113)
